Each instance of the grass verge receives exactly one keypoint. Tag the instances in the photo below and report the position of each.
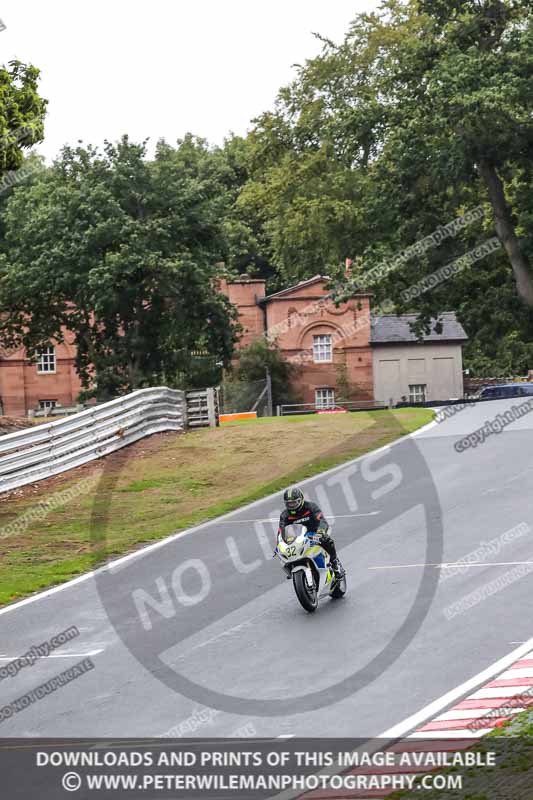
(170, 482)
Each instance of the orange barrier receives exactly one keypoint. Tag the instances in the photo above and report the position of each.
(242, 415)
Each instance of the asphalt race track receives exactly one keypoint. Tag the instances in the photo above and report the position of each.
(208, 621)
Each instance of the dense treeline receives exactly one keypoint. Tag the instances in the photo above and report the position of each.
(423, 114)
(121, 250)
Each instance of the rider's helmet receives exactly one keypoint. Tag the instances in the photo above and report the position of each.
(293, 499)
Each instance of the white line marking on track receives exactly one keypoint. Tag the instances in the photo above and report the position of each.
(515, 477)
(56, 655)
(461, 565)
(276, 519)
(115, 565)
(465, 689)
(227, 632)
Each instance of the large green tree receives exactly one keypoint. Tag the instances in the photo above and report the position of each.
(247, 240)
(22, 113)
(120, 250)
(423, 112)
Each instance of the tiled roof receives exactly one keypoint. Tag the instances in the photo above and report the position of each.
(390, 329)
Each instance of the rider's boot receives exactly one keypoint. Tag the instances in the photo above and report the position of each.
(329, 546)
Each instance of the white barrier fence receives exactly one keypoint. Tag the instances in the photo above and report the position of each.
(48, 449)
(202, 408)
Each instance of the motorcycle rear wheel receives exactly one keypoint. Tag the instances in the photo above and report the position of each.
(308, 597)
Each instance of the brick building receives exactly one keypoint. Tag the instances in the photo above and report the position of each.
(329, 346)
(26, 385)
(346, 352)
(341, 352)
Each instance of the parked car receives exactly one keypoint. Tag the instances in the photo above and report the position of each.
(504, 390)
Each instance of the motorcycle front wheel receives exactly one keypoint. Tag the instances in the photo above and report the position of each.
(308, 597)
(340, 589)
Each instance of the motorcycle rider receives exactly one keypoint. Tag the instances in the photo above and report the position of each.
(300, 511)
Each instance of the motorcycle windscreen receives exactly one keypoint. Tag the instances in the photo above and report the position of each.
(292, 532)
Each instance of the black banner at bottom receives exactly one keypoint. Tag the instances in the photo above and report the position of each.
(256, 769)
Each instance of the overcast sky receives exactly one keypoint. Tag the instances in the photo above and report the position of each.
(162, 68)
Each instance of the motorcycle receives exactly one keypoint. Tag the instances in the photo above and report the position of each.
(309, 566)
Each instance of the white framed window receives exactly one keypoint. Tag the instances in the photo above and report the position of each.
(324, 398)
(47, 405)
(46, 359)
(322, 348)
(417, 392)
